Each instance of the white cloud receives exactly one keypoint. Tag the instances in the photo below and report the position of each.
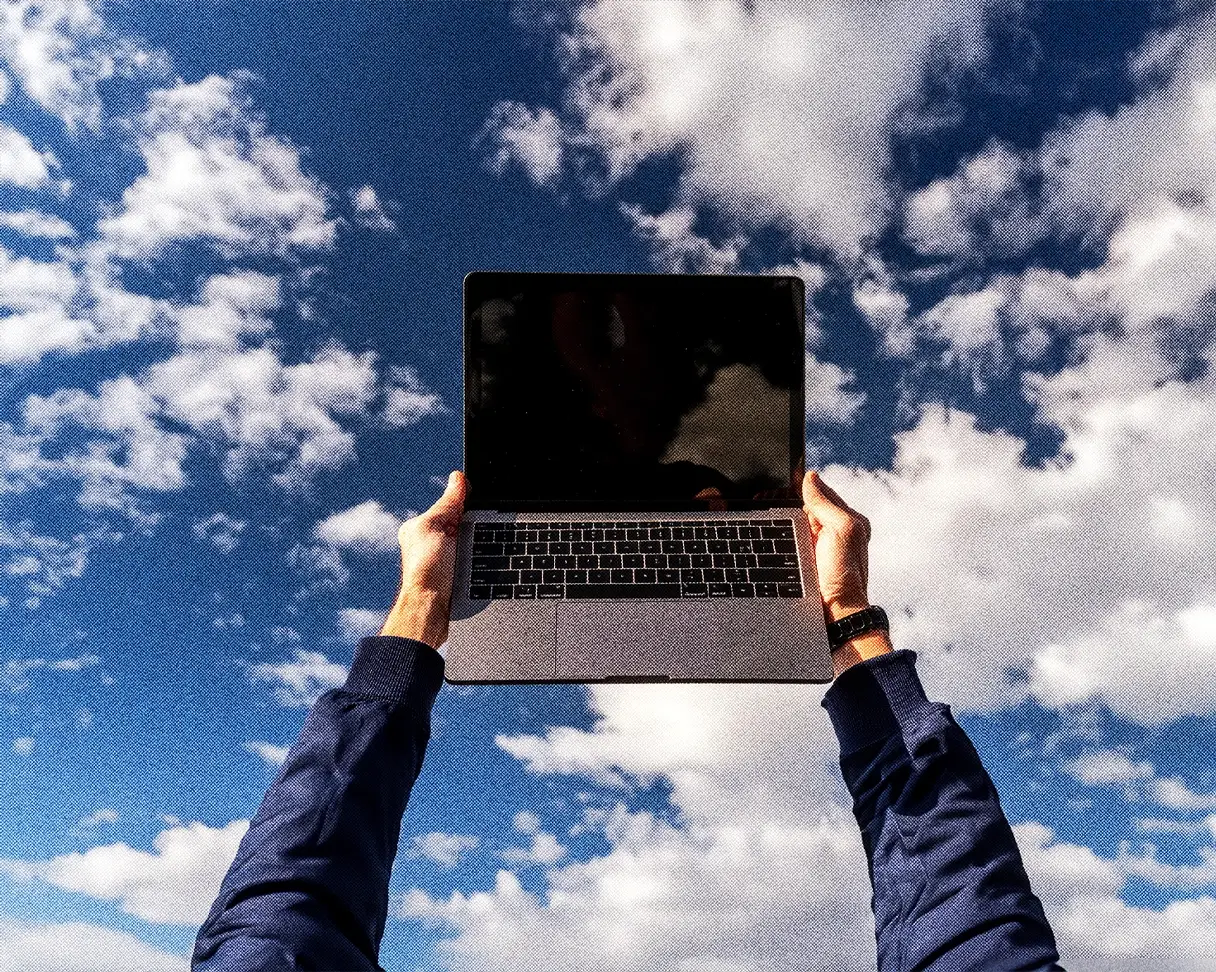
(105, 815)
(221, 530)
(676, 246)
(1102, 767)
(269, 753)
(173, 884)
(530, 139)
(366, 528)
(779, 118)
(370, 210)
(407, 400)
(20, 163)
(358, 623)
(79, 947)
(232, 306)
(33, 222)
(23, 745)
(983, 205)
(831, 398)
(446, 850)
(215, 175)
(300, 682)
(43, 564)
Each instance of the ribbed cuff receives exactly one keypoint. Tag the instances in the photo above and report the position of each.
(875, 699)
(398, 669)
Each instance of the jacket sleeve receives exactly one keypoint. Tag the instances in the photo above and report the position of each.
(309, 886)
(950, 890)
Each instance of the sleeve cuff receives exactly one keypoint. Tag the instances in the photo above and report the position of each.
(397, 669)
(875, 699)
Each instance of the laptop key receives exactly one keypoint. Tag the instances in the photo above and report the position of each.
(694, 590)
(736, 575)
(622, 576)
(566, 561)
(525, 590)
(784, 546)
(494, 577)
(719, 590)
(775, 575)
(491, 563)
(762, 546)
(576, 577)
(550, 591)
(766, 590)
(600, 576)
(480, 593)
(644, 576)
(780, 530)
(789, 590)
(777, 560)
(621, 591)
(702, 560)
(554, 576)
(743, 590)
(669, 576)
(501, 591)
(529, 576)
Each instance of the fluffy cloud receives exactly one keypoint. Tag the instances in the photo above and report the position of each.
(301, 681)
(358, 623)
(79, 947)
(1140, 780)
(269, 753)
(215, 175)
(20, 163)
(174, 883)
(221, 530)
(780, 118)
(43, 564)
(371, 211)
(446, 850)
(367, 528)
(33, 222)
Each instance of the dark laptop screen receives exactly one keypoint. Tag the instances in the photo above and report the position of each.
(603, 391)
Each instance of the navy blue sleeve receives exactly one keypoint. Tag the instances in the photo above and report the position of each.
(309, 886)
(950, 890)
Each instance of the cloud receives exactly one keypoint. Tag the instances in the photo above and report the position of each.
(105, 815)
(545, 848)
(23, 745)
(370, 211)
(269, 753)
(300, 682)
(750, 96)
(16, 670)
(33, 222)
(446, 850)
(20, 163)
(358, 623)
(215, 175)
(174, 883)
(366, 528)
(221, 530)
(79, 947)
(1141, 781)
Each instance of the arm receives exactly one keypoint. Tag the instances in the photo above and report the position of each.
(309, 885)
(950, 890)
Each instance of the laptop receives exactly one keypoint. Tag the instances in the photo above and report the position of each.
(634, 448)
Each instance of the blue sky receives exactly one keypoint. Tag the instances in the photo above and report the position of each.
(232, 239)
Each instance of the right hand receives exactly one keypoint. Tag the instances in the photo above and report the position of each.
(842, 538)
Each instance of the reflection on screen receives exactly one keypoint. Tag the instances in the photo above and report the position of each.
(604, 391)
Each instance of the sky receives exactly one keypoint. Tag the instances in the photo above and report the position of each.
(232, 240)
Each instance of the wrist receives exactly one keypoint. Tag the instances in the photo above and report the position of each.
(420, 615)
(853, 652)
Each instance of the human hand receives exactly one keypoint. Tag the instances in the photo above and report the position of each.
(842, 537)
(428, 563)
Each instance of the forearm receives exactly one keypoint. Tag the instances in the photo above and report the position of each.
(950, 890)
(310, 879)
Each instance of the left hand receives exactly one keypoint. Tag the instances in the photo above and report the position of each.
(428, 563)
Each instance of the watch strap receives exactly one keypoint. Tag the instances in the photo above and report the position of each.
(858, 623)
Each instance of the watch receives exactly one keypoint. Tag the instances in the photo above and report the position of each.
(841, 632)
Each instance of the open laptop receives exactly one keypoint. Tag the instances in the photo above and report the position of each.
(634, 448)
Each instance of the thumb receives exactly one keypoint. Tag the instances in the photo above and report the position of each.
(447, 510)
(822, 504)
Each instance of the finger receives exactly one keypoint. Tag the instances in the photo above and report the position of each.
(445, 513)
(822, 503)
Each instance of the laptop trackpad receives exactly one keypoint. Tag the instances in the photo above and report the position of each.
(656, 639)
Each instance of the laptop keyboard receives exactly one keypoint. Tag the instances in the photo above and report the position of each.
(698, 558)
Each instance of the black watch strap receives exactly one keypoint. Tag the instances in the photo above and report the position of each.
(860, 622)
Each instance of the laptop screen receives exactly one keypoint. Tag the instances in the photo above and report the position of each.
(618, 392)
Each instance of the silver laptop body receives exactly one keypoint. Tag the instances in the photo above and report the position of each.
(634, 509)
